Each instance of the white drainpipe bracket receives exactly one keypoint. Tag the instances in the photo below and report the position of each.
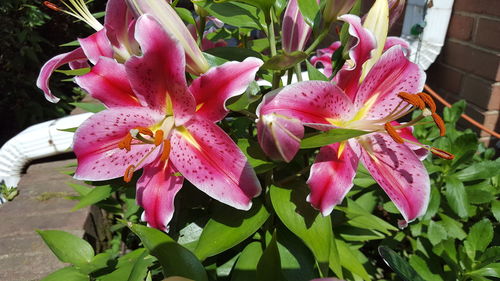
(38, 141)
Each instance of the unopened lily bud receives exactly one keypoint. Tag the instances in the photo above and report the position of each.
(336, 8)
(172, 23)
(295, 31)
(396, 8)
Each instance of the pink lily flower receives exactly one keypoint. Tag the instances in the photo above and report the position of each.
(390, 152)
(156, 122)
(113, 40)
(295, 31)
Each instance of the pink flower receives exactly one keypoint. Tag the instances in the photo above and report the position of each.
(113, 40)
(157, 122)
(295, 31)
(390, 152)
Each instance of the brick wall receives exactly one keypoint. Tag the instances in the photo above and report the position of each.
(468, 66)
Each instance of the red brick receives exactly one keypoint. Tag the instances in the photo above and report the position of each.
(491, 122)
(494, 103)
(445, 78)
(471, 60)
(488, 7)
(476, 91)
(461, 27)
(488, 33)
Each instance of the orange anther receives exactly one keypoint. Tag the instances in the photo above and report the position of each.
(412, 99)
(441, 153)
(392, 132)
(126, 142)
(145, 131)
(440, 123)
(428, 101)
(158, 137)
(165, 153)
(51, 6)
(129, 173)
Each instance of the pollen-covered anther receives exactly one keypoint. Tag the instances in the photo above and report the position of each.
(441, 153)
(412, 99)
(393, 133)
(129, 173)
(158, 137)
(145, 131)
(126, 142)
(165, 153)
(428, 101)
(51, 6)
(440, 123)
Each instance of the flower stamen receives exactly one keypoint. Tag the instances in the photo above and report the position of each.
(439, 123)
(441, 153)
(158, 137)
(129, 173)
(428, 101)
(166, 150)
(412, 99)
(391, 131)
(126, 142)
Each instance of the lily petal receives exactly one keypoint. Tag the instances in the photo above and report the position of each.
(48, 68)
(96, 45)
(159, 73)
(212, 89)
(211, 161)
(407, 134)
(156, 190)
(348, 78)
(399, 172)
(324, 56)
(295, 31)
(392, 74)
(96, 143)
(393, 41)
(107, 82)
(279, 136)
(309, 101)
(331, 177)
(116, 22)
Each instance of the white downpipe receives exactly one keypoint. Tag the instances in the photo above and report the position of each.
(38, 141)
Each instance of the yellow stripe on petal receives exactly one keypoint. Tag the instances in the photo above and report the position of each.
(341, 149)
(188, 137)
(377, 21)
(366, 107)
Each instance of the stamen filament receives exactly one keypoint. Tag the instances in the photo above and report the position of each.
(393, 133)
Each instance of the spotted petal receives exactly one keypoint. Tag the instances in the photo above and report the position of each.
(96, 143)
(107, 82)
(399, 172)
(156, 190)
(212, 89)
(211, 161)
(331, 177)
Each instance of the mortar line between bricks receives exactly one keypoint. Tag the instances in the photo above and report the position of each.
(453, 40)
(474, 15)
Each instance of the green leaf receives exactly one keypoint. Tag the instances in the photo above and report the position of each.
(480, 236)
(284, 61)
(90, 107)
(213, 60)
(69, 130)
(97, 194)
(309, 10)
(491, 270)
(453, 227)
(399, 265)
(495, 209)
(124, 266)
(436, 233)
(234, 13)
(314, 73)
(98, 262)
(255, 155)
(349, 260)
(456, 196)
(228, 227)
(73, 43)
(359, 217)
(302, 220)
(74, 72)
(335, 261)
(67, 247)
(297, 261)
(480, 170)
(175, 259)
(233, 53)
(250, 95)
(423, 269)
(67, 274)
(269, 266)
(329, 137)
(140, 268)
(246, 266)
(451, 115)
(185, 15)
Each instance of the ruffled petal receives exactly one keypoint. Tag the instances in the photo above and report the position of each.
(211, 161)
(107, 81)
(392, 74)
(96, 143)
(331, 177)
(399, 172)
(348, 77)
(156, 190)
(212, 89)
(96, 45)
(324, 57)
(48, 68)
(393, 41)
(279, 136)
(160, 71)
(312, 102)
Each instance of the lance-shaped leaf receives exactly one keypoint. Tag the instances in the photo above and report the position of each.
(284, 61)
(399, 265)
(329, 137)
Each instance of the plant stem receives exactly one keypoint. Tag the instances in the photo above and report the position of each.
(201, 30)
(318, 40)
(272, 45)
(298, 71)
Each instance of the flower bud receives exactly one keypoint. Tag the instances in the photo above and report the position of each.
(336, 8)
(295, 31)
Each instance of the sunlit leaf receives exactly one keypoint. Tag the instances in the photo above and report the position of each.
(329, 137)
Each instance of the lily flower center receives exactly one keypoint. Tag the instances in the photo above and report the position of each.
(157, 135)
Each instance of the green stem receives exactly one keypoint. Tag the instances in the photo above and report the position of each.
(272, 45)
(298, 71)
(318, 40)
(201, 30)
